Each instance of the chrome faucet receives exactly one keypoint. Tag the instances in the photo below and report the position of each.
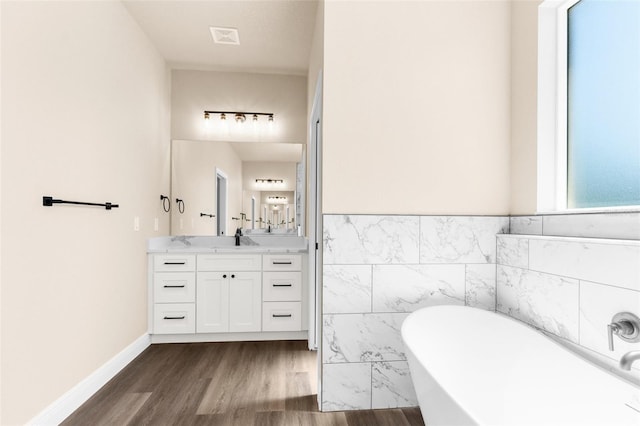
(627, 359)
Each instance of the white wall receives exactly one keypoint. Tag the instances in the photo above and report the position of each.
(416, 107)
(1, 327)
(316, 56)
(193, 179)
(524, 75)
(85, 113)
(193, 92)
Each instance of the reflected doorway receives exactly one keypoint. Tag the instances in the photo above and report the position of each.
(221, 202)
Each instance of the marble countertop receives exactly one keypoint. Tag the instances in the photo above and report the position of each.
(212, 244)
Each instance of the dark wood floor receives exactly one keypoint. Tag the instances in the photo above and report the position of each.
(234, 383)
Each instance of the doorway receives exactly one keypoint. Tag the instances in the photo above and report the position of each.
(315, 230)
(221, 202)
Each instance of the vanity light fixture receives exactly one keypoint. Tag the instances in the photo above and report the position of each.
(269, 181)
(276, 199)
(240, 116)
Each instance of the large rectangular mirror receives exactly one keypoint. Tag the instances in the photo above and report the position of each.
(222, 186)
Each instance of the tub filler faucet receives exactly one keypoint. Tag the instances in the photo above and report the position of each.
(627, 359)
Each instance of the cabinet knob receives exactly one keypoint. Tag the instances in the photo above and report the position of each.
(224, 276)
(233, 276)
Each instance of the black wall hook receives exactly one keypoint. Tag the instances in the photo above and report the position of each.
(166, 203)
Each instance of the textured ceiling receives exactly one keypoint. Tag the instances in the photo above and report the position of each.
(275, 35)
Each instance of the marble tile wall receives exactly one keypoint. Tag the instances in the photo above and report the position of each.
(378, 269)
(571, 288)
(623, 225)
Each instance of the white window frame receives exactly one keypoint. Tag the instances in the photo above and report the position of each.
(552, 110)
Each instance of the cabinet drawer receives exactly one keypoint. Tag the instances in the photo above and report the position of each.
(281, 316)
(174, 318)
(282, 286)
(281, 262)
(174, 287)
(229, 262)
(174, 262)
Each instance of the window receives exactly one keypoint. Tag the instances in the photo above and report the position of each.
(589, 104)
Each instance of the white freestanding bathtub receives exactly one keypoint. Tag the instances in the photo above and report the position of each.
(474, 367)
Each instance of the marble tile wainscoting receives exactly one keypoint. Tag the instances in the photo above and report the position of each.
(571, 287)
(378, 269)
(616, 225)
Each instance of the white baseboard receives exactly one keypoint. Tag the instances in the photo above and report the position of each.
(60, 409)
(229, 337)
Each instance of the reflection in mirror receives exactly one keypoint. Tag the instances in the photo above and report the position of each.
(264, 187)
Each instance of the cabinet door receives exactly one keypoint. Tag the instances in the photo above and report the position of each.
(245, 301)
(212, 302)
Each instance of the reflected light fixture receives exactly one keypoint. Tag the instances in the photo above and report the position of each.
(240, 116)
(269, 181)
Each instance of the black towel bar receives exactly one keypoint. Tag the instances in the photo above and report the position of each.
(50, 201)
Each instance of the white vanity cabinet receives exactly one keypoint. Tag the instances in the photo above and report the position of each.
(229, 293)
(226, 296)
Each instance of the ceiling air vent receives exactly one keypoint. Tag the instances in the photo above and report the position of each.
(225, 35)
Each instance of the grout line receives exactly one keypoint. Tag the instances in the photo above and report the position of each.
(419, 239)
(579, 295)
(466, 289)
(371, 388)
(372, 289)
(576, 279)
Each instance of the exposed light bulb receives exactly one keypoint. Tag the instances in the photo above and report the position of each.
(223, 116)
